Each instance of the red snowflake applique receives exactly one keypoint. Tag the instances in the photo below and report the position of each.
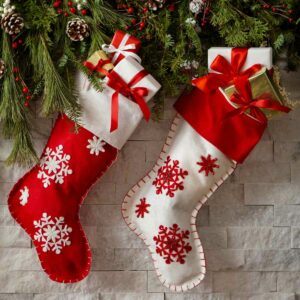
(142, 208)
(169, 177)
(171, 243)
(208, 164)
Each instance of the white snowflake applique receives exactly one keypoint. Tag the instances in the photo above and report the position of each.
(24, 196)
(96, 145)
(54, 166)
(52, 233)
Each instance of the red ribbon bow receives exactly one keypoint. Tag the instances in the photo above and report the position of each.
(98, 67)
(244, 99)
(228, 72)
(136, 94)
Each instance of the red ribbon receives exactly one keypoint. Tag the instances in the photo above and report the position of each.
(136, 94)
(244, 99)
(98, 67)
(228, 73)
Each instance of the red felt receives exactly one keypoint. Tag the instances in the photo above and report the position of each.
(73, 263)
(209, 115)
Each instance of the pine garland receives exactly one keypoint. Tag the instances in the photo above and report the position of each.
(175, 42)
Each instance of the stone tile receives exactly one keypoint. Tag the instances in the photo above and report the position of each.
(41, 128)
(134, 151)
(152, 131)
(13, 237)
(15, 259)
(295, 237)
(106, 282)
(287, 215)
(5, 148)
(5, 189)
(122, 190)
(270, 194)
(265, 296)
(290, 80)
(106, 259)
(263, 152)
(153, 150)
(91, 233)
(70, 296)
(284, 129)
(132, 296)
(224, 259)
(211, 296)
(104, 215)
(154, 285)
(288, 282)
(295, 171)
(5, 217)
(213, 237)
(259, 238)
(133, 259)
(118, 237)
(228, 194)
(241, 216)
(246, 282)
(286, 151)
(102, 193)
(12, 173)
(272, 260)
(267, 172)
(203, 216)
(16, 296)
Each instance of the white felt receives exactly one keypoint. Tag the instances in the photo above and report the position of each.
(187, 146)
(261, 56)
(96, 106)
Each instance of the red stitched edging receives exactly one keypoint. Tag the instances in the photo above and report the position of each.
(12, 212)
(131, 192)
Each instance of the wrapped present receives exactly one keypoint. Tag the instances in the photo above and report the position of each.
(126, 102)
(99, 62)
(255, 55)
(261, 86)
(123, 45)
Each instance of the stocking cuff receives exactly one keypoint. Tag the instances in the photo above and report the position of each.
(208, 115)
(97, 106)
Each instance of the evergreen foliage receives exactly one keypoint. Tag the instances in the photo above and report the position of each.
(47, 58)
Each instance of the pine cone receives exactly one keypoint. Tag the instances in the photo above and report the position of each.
(77, 30)
(12, 23)
(2, 68)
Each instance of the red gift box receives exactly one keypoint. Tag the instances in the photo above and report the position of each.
(123, 45)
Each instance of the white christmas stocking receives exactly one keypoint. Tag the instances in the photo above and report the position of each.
(202, 149)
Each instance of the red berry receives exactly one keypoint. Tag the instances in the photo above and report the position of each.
(73, 10)
(28, 98)
(26, 103)
(83, 12)
(57, 4)
(17, 79)
(25, 90)
(59, 11)
(70, 3)
(291, 20)
(66, 14)
(172, 7)
(142, 25)
(130, 10)
(20, 41)
(145, 9)
(15, 45)
(15, 70)
(290, 11)
(133, 21)
(274, 9)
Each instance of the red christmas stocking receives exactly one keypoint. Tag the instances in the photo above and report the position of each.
(46, 201)
(206, 141)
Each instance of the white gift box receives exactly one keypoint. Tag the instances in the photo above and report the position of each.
(261, 56)
(96, 106)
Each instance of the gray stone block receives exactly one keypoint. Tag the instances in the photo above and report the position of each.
(259, 238)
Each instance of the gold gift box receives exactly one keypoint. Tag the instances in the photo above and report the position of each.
(96, 56)
(261, 84)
